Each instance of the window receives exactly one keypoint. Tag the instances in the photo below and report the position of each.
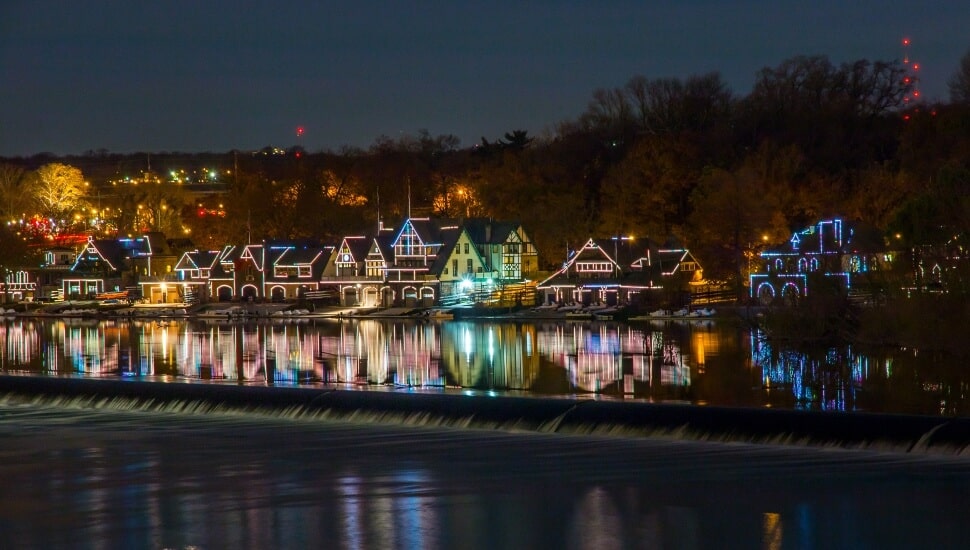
(594, 267)
(468, 265)
(375, 268)
(454, 267)
(466, 249)
(408, 244)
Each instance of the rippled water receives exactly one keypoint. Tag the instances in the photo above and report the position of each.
(86, 478)
(709, 363)
(81, 474)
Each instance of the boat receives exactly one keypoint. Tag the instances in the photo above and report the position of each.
(606, 314)
(226, 313)
(578, 315)
(439, 314)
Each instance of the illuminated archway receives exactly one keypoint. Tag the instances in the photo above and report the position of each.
(249, 291)
(410, 295)
(387, 296)
(371, 296)
(224, 293)
(766, 293)
(348, 296)
(278, 293)
(790, 293)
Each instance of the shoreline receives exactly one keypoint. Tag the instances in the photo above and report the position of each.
(243, 311)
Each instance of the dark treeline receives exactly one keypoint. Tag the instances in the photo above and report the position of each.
(682, 159)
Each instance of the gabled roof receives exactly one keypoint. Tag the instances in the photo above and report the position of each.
(667, 261)
(833, 235)
(292, 256)
(640, 262)
(255, 253)
(591, 251)
(449, 238)
(385, 243)
(229, 254)
(114, 252)
(197, 260)
(428, 230)
(488, 231)
(358, 245)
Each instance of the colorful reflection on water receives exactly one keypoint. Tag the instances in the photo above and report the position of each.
(708, 363)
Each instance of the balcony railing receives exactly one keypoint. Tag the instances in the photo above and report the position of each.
(351, 279)
(166, 278)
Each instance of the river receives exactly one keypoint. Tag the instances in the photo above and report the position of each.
(721, 363)
(79, 474)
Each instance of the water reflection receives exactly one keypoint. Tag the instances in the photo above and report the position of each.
(704, 363)
(118, 479)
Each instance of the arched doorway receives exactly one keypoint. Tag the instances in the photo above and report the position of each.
(766, 294)
(790, 293)
(387, 296)
(224, 293)
(427, 297)
(349, 296)
(410, 295)
(249, 293)
(371, 297)
(278, 294)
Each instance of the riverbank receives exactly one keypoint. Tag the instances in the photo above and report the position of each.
(927, 324)
(250, 310)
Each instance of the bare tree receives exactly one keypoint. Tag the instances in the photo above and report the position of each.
(959, 83)
(14, 198)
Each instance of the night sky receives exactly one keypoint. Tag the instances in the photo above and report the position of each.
(193, 76)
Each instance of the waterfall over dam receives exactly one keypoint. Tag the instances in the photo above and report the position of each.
(896, 433)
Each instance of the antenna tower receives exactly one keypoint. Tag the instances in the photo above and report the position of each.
(911, 75)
